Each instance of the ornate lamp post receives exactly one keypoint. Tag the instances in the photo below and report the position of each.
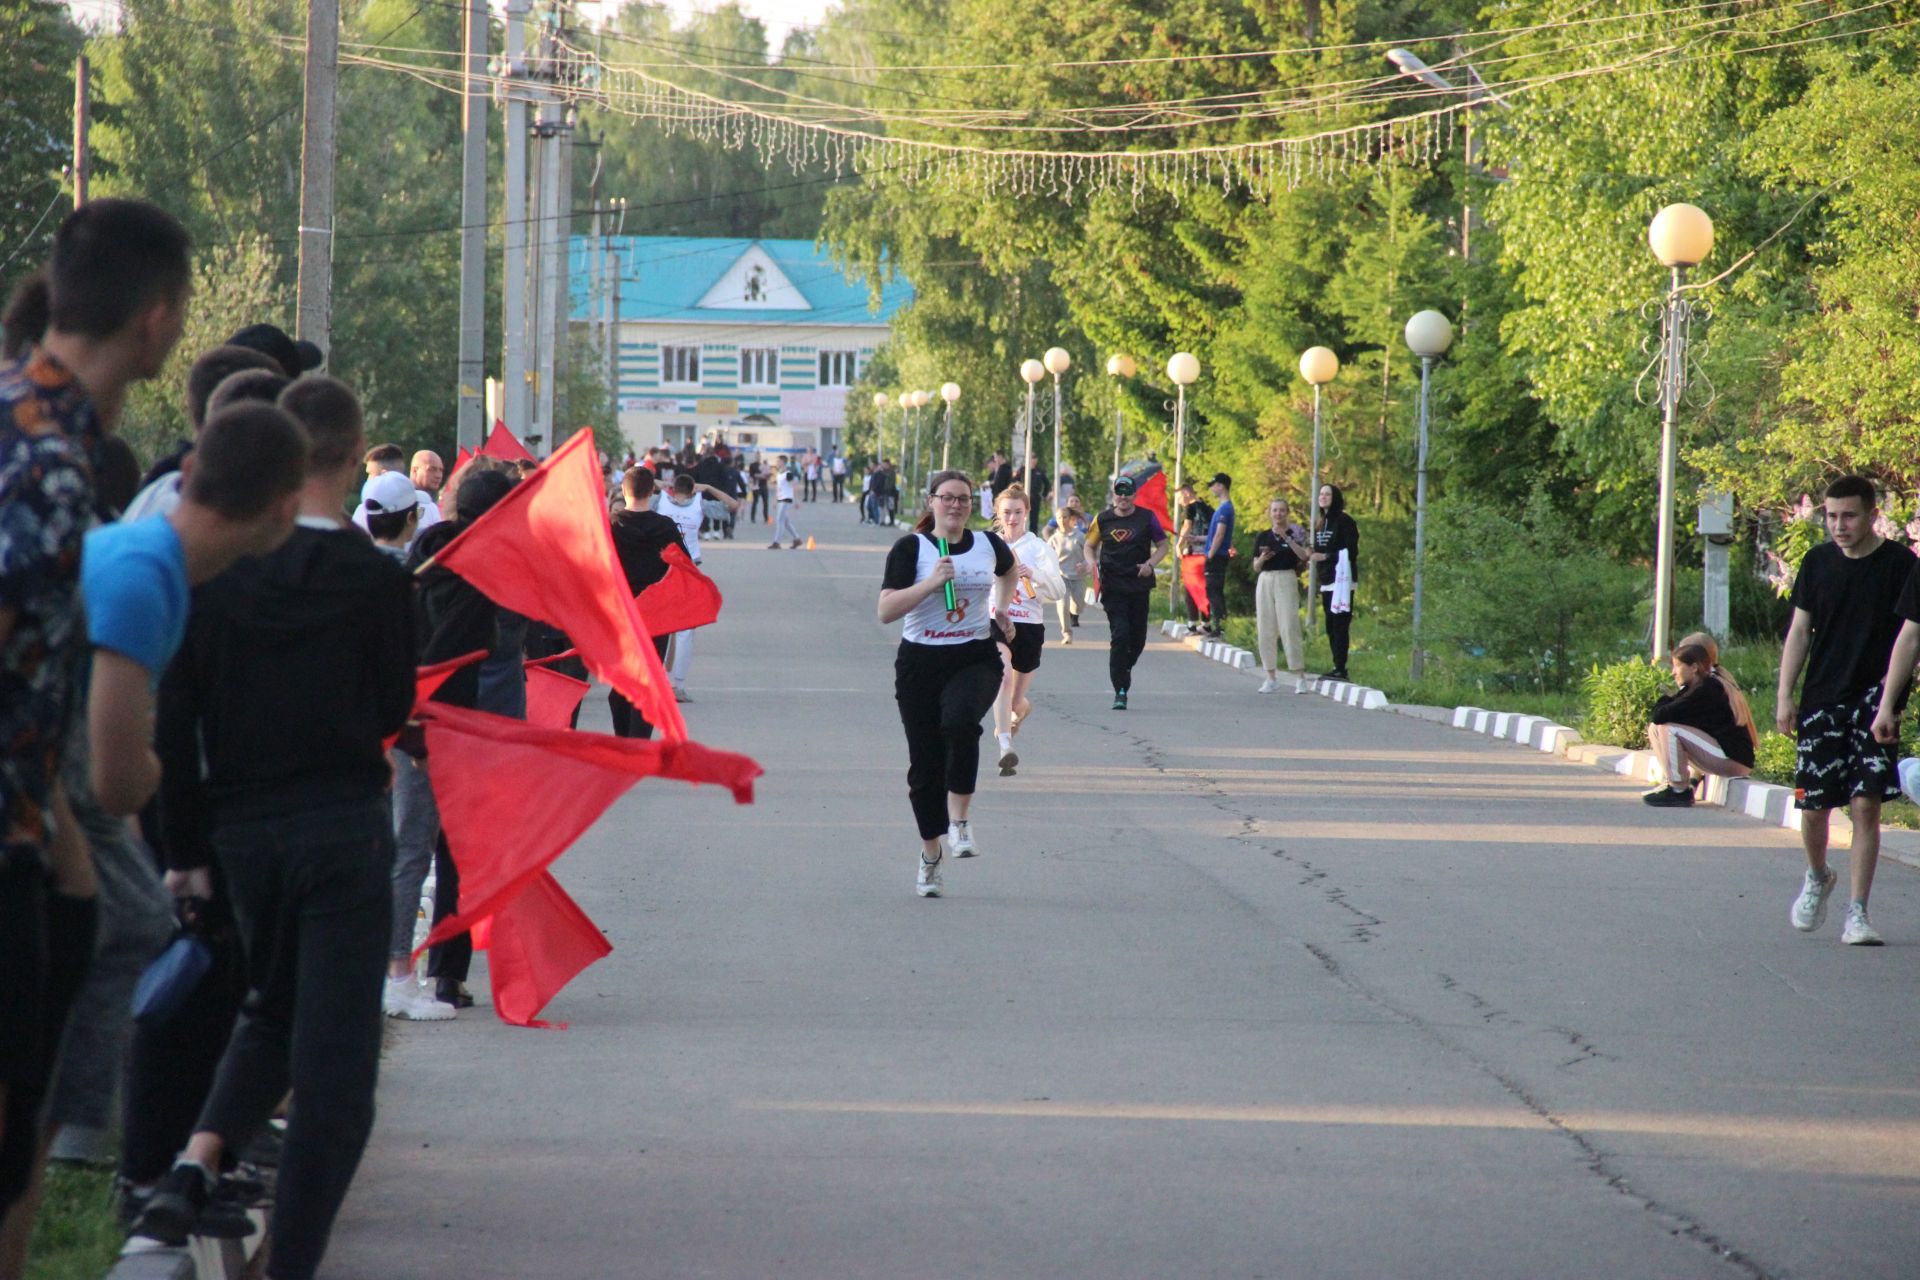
(1184, 370)
(1058, 362)
(1681, 236)
(1429, 334)
(1119, 366)
(1318, 366)
(950, 392)
(1031, 371)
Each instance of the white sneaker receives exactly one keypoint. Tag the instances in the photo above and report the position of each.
(1810, 908)
(1909, 771)
(928, 886)
(1009, 758)
(1268, 685)
(405, 998)
(960, 838)
(1300, 684)
(1857, 932)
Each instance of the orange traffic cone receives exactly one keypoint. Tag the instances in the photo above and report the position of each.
(809, 542)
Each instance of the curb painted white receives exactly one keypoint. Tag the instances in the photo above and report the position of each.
(1353, 695)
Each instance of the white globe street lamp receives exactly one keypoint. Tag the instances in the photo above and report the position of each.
(1119, 366)
(1429, 334)
(1681, 236)
(1058, 362)
(950, 392)
(1183, 369)
(1031, 371)
(1318, 366)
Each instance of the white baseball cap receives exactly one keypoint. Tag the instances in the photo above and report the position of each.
(389, 493)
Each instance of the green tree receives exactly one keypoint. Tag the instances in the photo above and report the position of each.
(36, 66)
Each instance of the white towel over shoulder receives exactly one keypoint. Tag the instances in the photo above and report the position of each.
(1342, 601)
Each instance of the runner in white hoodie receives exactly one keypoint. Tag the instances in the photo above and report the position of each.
(1040, 583)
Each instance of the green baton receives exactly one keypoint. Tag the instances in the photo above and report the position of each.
(949, 582)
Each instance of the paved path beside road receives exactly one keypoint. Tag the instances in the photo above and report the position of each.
(1239, 986)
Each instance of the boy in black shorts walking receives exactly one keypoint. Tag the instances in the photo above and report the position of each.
(1845, 621)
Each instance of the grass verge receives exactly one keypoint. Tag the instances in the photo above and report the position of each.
(76, 1236)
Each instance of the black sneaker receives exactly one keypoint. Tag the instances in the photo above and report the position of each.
(263, 1148)
(451, 992)
(183, 1205)
(1119, 699)
(1668, 798)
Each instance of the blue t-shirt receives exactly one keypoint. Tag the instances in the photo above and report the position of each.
(134, 579)
(1222, 520)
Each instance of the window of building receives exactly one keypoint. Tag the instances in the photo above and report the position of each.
(680, 365)
(836, 368)
(759, 367)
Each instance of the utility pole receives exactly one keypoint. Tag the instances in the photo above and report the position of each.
(613, 331)
(315, 319)
(82, 119)
(548, 235)
(560, 249)
(470, 421)
(515, 409)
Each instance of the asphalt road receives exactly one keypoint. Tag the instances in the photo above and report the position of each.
(1239, 986)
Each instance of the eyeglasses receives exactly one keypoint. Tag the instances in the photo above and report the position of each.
(953, 497)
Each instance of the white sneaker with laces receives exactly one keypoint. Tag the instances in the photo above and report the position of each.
(1857, 932)
(1268, 685)
(406, 999)
(929, 885)
(1810, 908)
(1009, 758)
(960, 838)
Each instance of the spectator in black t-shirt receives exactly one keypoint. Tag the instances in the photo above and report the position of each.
(1336, 535)
(1704, 726)
(1278, 554)
(640, 534)
(1845, 621)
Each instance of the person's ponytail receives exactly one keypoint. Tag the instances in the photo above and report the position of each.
(28, 313)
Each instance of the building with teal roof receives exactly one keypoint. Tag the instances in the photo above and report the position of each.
(755, 339)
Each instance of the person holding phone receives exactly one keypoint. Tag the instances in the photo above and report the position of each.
(1278, 554)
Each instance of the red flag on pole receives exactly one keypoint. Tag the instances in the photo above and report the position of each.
(1193, 578)
(462, 458)
(513, 796)
(535, 946)
(1152, 495)
(552, 696)
(546, 550)
(503, 444)
(686, 598)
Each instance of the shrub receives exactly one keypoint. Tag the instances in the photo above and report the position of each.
(1773, 759)
(1620, 702)
(1524, 588)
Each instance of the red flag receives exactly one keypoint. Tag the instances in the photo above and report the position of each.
(513, 796)
(1152, 495)
(686, 598)
(552, 696)
(462, 458)
(503, 444)
(1193, 577)
(427, 680)
(546, 550)
(537, 945)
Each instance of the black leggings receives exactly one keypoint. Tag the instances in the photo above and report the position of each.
(68, 927)
(1127, 631)
(760, 509)
(1339, 632)
(943, 691)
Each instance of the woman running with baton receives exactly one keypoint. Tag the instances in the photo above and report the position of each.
(1040, 582)
(946, 586)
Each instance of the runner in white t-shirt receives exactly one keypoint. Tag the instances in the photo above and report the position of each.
(684, 506)
(946, 670)
(1040, 583)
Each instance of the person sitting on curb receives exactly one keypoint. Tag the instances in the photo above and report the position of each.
(1705, 725)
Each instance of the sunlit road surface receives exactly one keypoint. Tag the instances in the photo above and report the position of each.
(1239, 986)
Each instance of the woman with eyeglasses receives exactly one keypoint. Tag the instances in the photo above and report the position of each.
(948, 588)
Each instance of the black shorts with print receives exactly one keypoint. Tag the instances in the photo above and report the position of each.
(1838, 758)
